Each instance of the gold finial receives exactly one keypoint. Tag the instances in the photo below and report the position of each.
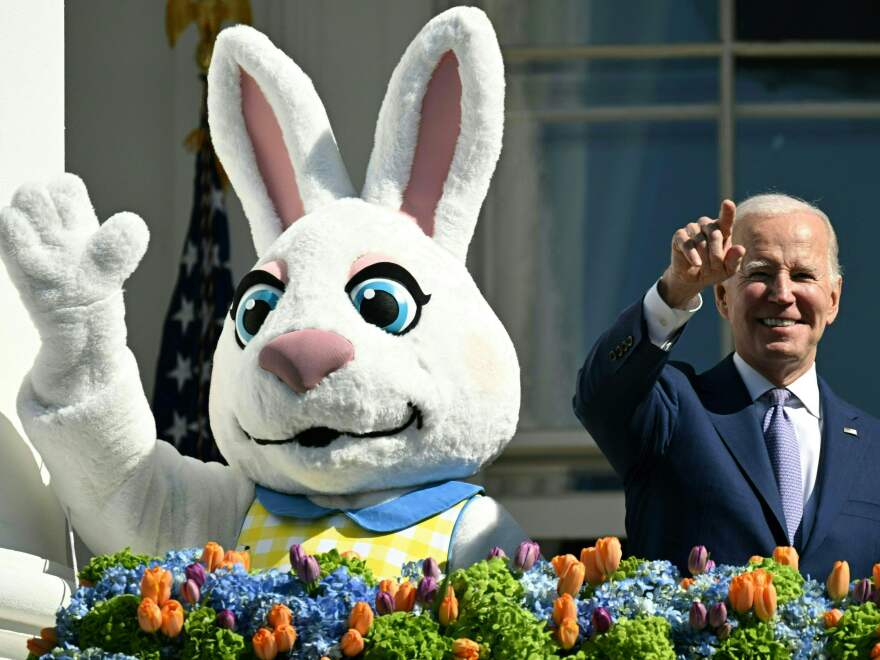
(208, 15)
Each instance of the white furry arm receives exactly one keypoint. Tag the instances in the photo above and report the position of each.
(482, 525)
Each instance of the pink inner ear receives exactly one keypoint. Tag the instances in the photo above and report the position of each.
(438, 134)
(270, 151)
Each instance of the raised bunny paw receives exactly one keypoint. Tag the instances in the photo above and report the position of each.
(58, 254)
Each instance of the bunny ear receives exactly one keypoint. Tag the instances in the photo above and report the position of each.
(272, 134)
(439, 131)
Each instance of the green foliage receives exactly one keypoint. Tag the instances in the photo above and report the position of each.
(112, 625)
(94, 570)
(490, 576)
(402, 635)
(854, 635)
(332, 560)
(642, 637)
(753, 642)
(206, 641)
(788, 582)
(502, 626)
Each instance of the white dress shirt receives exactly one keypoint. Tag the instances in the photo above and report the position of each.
(804, 408)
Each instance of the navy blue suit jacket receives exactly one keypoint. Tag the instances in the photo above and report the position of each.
(696, 471)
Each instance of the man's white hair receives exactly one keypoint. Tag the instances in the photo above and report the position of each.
(771, 204)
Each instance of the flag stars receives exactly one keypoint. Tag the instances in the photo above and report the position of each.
(190, 257)
(178, 430)
(182, 372)
(185, 315)
(218, 199)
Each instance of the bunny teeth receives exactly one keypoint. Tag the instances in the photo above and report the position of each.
(321, 436)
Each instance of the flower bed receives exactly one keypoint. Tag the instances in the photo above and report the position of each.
(204, 603)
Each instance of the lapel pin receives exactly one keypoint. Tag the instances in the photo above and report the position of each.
(850, 431)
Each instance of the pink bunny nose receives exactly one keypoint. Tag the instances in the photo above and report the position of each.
(303, 357)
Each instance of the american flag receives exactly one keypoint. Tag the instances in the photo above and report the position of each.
(195, 317)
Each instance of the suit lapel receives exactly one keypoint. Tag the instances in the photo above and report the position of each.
(735, 417)
(841, 455)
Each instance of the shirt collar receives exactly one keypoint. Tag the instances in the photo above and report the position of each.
(805, 388)
(389, 516)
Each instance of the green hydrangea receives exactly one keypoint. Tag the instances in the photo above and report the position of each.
(206, 641)
(753, 642)
(332, 560)
(502, 626)
(854, 635)
(94, 570)
(112, 625)
(490, 576)
(641, 637)
(788, 582)
(402, 636)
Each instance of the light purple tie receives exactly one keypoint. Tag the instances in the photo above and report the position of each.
(785, 456)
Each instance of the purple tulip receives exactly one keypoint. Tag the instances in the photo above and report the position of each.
(861, 592)
(724, 630)
(384, 603)
(430, 568)
(196, 573)
(426, 590)
(697, 559)
(226, 619)
(309, 571)
(710, 566)
(498, 552)
(601, 620)
(698, 617)
(191, 592)
(717, 615)
(297, 557)
(526, 555)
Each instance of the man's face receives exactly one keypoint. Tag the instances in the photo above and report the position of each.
(783, 296)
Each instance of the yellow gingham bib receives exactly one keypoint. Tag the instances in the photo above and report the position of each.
(270, 537)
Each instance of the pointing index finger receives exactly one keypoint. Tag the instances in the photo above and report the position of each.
(726, 214)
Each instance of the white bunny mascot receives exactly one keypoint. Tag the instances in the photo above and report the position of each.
(359, 372)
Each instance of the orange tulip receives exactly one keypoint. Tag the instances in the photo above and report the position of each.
(212, 556)
(741, 593)
(350, 554)
(38, 646)
(875, 651)
(405, 597)
(838, 580)
(285, 637)
(448, 611)
(172, 618)
(156, 585)
(264, 644)
(592, 566)
(351, 644)
(572, 580)
(149, 615)
(765, 602)
(467, 649)
(233, 557)
(610, 553)
(388, 586)
(49, 635)
(876, 572)
(756, 559)
(686, 583)
(279, 615)
(361, 617)
(567, 633)
(563, 608)
(761, 577)
(787, 556)
(561, 563)
(832, 617)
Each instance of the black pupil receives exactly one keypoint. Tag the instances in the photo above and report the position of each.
(379, 310)
(254, 316)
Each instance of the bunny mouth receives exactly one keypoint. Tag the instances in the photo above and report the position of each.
(321, 436)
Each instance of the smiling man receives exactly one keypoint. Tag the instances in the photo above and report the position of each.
(757, 452)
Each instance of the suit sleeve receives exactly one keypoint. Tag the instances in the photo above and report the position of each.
(625, 396)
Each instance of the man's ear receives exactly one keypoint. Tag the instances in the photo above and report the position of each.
(835, 300)
(721, 299)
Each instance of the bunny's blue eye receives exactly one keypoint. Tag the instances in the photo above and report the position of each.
(387, 296)
(257, 295)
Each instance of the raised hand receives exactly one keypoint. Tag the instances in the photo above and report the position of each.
(57, 253)
(702, 254)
